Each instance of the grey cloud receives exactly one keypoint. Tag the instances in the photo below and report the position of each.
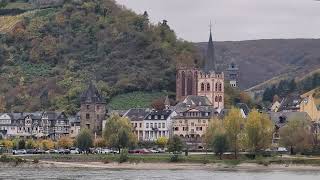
(234, 19)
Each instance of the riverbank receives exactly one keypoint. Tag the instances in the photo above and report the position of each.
(162, 162)
(165, 166)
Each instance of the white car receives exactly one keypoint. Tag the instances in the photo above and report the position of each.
(282, 149)
(19, 151)
(74, 151)
(105, 151)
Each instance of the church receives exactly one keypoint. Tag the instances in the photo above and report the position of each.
(206, 81)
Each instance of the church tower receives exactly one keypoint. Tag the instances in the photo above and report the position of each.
(202, 82)
(210, 64)
(92, 110)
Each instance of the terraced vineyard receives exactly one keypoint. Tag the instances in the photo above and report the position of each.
(7, 23)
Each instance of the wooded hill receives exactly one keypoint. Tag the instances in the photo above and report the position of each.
(49, 54)
(263, 60)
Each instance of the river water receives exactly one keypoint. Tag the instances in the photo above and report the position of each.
(97, 174)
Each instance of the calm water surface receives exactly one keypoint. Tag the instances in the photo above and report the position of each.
(93, 174)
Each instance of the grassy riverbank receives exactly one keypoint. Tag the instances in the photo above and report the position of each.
(166, 158)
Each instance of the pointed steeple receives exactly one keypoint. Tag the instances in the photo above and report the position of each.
(209, 64)
(91, 95)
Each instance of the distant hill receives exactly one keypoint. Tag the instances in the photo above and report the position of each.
(262, 60)
(53, 48)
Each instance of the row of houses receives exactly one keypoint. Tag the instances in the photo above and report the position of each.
(34, 125)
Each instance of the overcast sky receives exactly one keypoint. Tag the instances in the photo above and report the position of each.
(234, 19)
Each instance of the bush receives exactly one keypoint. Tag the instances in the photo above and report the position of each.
(123, 156)
(174, 158)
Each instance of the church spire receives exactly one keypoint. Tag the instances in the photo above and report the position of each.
(210, 60)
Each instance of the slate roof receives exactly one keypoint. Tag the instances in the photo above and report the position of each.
(282, 118)
(92, 95)
(137, 114)
(164, 113)
(200, 103)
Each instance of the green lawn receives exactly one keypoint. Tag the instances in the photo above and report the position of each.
(134, 100)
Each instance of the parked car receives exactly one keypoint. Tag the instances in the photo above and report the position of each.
(106, 151)
(19, 151)
(154, 151)
(282, 150)
(52, 151)
(31, 151)
(64, 151)
(74, 151)
(40, 151)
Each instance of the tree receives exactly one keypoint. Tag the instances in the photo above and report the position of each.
(65, 142)
(118, 132)
(214, 137)
(162, 141)
(233, 124)
(211, 131)
(47, 144)
(296, 135)
(100, 142)
(220, 144)
(175, 144)
(258, 131)
(30, 144)
(84, 140)
(21, 144)
(7, 144)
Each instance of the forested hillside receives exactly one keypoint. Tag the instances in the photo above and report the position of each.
(50, 53)
(262, 60)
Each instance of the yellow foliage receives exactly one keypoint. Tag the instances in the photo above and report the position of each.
(100, 142)
(162, 141)
(258, 131)
(47, 144)
(233, 124)
(65, 142)
(7, 144)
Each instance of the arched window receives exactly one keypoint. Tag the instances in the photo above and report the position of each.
(216, 86)
(216, 99)
(189, 85)
(220, 98)
(183, 84)
(220, 87)
(202, 87)
(208, 87)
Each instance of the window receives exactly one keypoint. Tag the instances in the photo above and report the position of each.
(220, 86)
(162, 116)
(87, 116)
(88, 106)
(216, 99)
(135, 125)
(176, 128)
(163, 125)
(156, 117)
(220, 98)
(185, 128)
(199, 121)
(149, 117)
(208, 87)
(155, 125)
(216, 87)
(98, 116)
(192, 124)
(140, 125)
(202, 87)
(147, 125)
(151, 125)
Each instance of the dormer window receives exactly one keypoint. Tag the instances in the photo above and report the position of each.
(149, 117)
(162, 116)
(156, 117)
